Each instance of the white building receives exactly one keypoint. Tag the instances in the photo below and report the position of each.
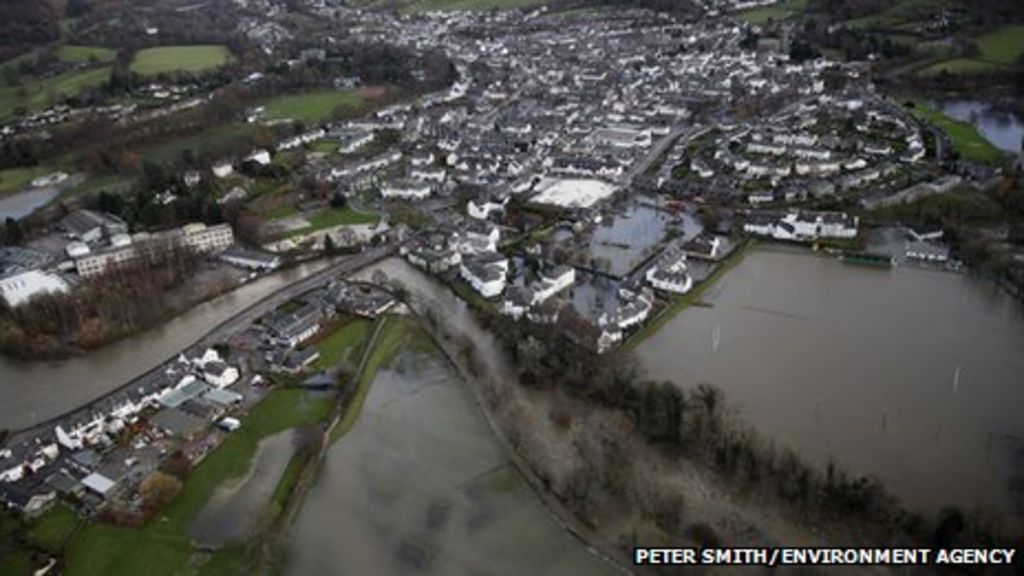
(407, 190)
(482, 208)
(487, 279)
(18, 288)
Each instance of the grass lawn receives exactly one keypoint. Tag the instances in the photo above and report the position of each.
(50, 529)
(1004, 46)
(76, 53)
(37, 94)
(194, 58)
(778, 11)
(311, 107)
(163, 546)
(965, 138)
(13, 179)
(332, 217)
(339, 345)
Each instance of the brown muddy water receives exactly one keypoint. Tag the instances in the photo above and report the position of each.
(31, 392)
(235, 510)
(420, 486)
(912, 376)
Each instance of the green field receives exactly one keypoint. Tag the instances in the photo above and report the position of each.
(163, 547)
(38, 94)
(336, 217)
(194, 58)
(13, 179)
(211, 142)
(960, 66)
(311, 107)
(997, 51)
(51, 529)
(1004, 46)
(775, 12)
(965, 138)
(75, 53)
(342, 343)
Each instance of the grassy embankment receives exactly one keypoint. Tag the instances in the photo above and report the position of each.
(680, 302)
(394, 332)
(339, 345)
(997, 51)
(163, 546)
(965, 138)
(190, 58)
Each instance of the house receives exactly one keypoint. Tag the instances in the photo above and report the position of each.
(482, 208)
(487, 279)
(552, 281)
(292, 328)
(99, 484)
(29, 502)
(517, 302)
(222, 170)
(670, 274)
(703, 246)
(219, 374)
(178, 423)
(406, 190)
(259, 156)
(299, 360)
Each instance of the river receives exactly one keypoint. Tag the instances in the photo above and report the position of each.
(31, 392)
(1003, 129)
(420, 486)
(909, 375)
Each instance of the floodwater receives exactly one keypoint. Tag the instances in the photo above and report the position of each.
(915, 377)
(1003, 129)
(235, 510)
(625, 239)
(31, 392)
(21, 204)
(420, 486)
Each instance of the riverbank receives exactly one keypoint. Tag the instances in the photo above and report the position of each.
(601, 479)
(40, 395)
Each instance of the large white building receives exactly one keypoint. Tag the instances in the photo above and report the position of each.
(152, 249)
(19, 287)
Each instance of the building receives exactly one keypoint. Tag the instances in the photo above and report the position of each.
(90, 226)
(19, 287)
(486, 278)
(149, 250)
(670, 274)
(243, 257)
(552, 281)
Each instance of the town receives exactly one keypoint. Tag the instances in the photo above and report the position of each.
(592, 173)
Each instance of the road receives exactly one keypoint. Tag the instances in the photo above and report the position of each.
(685, 131)
(243, 319)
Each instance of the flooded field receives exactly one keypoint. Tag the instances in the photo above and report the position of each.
(420, 486)
(909, 375)
(1004, 129)
(235, 510)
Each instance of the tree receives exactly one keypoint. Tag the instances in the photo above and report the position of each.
(13, 232)
(158, 489)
